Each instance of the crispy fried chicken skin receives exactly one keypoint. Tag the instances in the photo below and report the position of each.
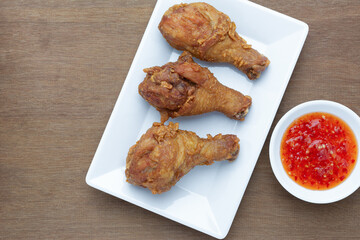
(184, 88)
(209, 35)
(164, 154)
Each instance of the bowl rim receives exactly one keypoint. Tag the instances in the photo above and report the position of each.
(339, 192)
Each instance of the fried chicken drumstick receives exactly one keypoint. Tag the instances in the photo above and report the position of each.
(209, 35)
(184, 88)
(164, 154)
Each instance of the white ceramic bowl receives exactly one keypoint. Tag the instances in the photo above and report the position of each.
(337, 193)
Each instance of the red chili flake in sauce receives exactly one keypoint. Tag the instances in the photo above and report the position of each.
(318, 151)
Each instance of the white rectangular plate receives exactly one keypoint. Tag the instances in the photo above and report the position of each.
(207, 198)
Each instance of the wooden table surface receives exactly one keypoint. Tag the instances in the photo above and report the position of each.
(62, 66)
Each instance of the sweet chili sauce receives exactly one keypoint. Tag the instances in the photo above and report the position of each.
(318, 151)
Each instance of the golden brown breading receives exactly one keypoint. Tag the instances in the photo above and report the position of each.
(164, 154)
(184, 88)
(209, 35)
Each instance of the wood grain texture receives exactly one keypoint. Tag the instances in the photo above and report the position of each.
(62, 66)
